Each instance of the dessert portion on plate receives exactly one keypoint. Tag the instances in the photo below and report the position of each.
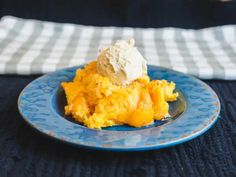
(115, 90)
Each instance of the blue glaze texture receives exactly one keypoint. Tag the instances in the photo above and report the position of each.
(38, 106)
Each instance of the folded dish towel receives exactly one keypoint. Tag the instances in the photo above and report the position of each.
(35, 47)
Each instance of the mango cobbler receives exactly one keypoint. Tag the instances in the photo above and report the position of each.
(115, 90)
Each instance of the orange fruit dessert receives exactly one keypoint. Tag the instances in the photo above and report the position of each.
(96, 102)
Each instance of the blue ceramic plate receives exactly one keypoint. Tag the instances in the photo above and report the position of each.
(42, 103)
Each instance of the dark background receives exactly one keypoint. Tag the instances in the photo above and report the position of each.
(24, 152)
(134, 13)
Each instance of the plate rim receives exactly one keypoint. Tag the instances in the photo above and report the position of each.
(173, 142)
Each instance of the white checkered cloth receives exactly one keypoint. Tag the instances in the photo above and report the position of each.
(36, 47)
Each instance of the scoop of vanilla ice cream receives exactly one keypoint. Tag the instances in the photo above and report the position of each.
(122, 62)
